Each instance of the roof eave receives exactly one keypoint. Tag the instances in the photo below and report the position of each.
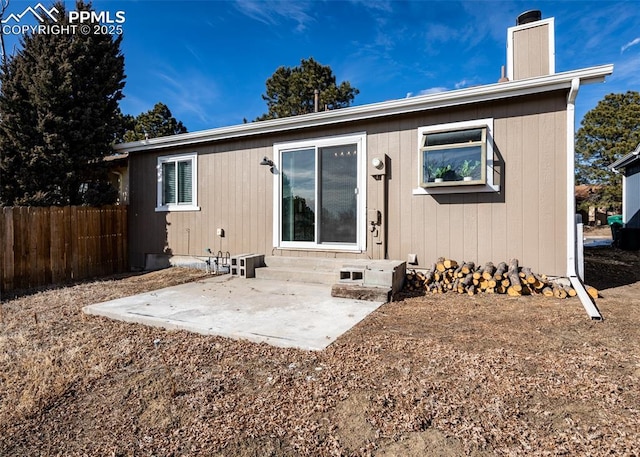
(626, 160)
(374, 110)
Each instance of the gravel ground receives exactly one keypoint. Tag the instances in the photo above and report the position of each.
(437, 375)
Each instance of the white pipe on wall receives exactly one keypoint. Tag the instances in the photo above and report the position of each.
(588, 304)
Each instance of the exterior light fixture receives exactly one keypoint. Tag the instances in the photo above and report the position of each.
(267, 161)
(377, 164)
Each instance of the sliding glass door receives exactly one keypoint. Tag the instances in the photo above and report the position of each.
(320, 202)
(338, 192)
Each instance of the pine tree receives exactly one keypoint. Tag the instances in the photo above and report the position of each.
(607, 133)
(291, 91)
(154, 123)
(59, 115)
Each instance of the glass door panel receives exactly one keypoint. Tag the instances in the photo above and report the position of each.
(298, 195)
(338, 198)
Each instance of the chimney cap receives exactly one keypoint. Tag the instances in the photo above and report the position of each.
(529, 16)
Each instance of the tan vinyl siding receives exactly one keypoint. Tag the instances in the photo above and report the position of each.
(531, 52)
(525, 220)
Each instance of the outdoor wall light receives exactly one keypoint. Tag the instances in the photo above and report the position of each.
(377, 164)
(267, 161)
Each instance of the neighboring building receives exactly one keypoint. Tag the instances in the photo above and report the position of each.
(629, 166)
(591, 215)
(119, 175)
(478, 174)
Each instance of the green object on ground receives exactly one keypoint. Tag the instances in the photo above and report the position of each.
(616, 218)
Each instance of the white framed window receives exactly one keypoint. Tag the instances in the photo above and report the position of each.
(319, 194)
(177, 183)
(456, 158)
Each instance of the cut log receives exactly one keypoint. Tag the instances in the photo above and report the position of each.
(467, 281)
(429, 276)
(547, 291)
(488, 270)
(592, 291)
(500, 272)
(539, 282)
(468, 268)
(511, 291)
(514, 277)
(440, 264)
(559, 292)
(528, 275)
(448, 263)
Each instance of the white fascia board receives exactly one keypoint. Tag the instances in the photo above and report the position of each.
(357, 113)
(626, 160)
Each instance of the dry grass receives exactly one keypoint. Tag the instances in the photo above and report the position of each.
(437, 375)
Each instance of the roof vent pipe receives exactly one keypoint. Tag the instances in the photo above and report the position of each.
(529, 16)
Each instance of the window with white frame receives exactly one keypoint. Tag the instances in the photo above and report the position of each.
(177, 187)
(456, 157)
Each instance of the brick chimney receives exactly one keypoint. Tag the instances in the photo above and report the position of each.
(531, 47)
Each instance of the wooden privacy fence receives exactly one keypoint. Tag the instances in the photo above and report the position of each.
(42, 246)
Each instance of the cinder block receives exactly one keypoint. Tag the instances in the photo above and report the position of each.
(385, 274)
(246, 264)
(378, 278)
(351, 274)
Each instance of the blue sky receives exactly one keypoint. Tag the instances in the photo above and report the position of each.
(209, 60)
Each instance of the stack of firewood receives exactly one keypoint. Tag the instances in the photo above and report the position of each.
(447, 275)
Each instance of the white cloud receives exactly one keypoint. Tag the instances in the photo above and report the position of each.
(377, 5)
(629, 44)
(270, 12)
(627, 71)
(433, 90)
(188, 94)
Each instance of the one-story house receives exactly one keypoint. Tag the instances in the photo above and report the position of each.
(482, 174)
(629, 166)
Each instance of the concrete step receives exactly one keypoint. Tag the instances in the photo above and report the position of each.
(312, 263)
(298, 274)
(364, 278)
(318, 270)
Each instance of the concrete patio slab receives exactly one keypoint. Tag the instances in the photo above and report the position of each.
(280, 313)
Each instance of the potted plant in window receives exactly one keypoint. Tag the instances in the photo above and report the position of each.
(440, 173)
(467, 169)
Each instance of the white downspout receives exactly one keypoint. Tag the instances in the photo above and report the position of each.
(588, 303)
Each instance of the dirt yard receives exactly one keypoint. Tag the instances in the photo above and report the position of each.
(442, 375)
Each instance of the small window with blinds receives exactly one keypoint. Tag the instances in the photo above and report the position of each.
(177, 183)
